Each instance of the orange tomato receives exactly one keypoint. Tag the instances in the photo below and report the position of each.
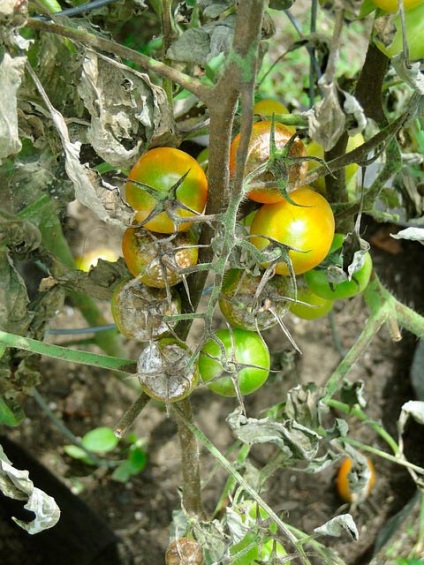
(363, 487)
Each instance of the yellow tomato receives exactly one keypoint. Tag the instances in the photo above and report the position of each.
(90, 259)
(268, 107)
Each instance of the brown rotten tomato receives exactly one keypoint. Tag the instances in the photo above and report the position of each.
(278, 164)
(250, 303)
(166, 179)
(165, 371)
(157, 260)
(138, 310)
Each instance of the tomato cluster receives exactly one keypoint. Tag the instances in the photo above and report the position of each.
(290, 239)
(165, 188)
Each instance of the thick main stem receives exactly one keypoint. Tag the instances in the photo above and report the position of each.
(237, 80)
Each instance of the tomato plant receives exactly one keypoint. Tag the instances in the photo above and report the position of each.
(249, 304)
(355, 480)
(157, 260)
(165, 371)
(310, 306)
(138, 310)
(319, 280)
(307, 226)
(172, 175)
(291, 168)
(234, 356)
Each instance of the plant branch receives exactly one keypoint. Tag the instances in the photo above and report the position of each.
(88, 39)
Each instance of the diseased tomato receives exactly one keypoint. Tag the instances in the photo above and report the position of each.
(307, 226)
(393, 5)
(318, 279)
(277, 168)
(234, 356)
(157, 259)
(164, 371)
(174, 178)
(354, 482)
(313, 306)
(247, 303)
(138, 310)
(184, 550)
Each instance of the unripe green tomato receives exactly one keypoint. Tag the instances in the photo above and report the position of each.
(203, 158)
(156, 259)
(314, 306)
(242, 309)
(162, 169)
(244, 356)
(414, 25)
(138, 310)
(164, 372)
(317, 279)
(393, 5)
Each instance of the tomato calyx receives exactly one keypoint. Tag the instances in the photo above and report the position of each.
(165, 202)
(276, 169)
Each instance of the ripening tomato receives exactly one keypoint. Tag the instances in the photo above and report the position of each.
(157, 259)
(244, 357)
(164, 371)
(310, 306)
(164, 169)
(393, 5)
(259, 154)
(318, 282)
(243, 307)
(308, 227)
(355, 484)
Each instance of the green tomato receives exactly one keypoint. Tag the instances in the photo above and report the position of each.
(414, 26)
(243, 356)
(314, 306)
(317, 279)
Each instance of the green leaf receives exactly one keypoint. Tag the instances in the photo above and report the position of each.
(100, 440)
(77, 453)
(138, 459)
(10, 415)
